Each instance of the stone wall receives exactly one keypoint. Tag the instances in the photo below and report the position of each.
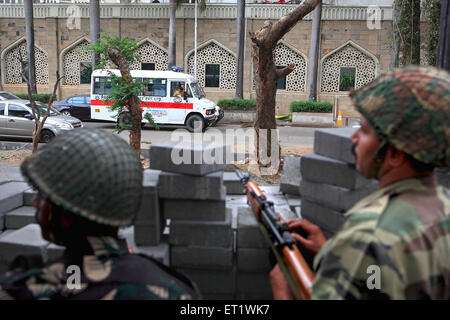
(55, 38)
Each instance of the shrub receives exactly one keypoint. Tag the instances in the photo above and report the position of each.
(311, 106)
(237, 104)
(41, 97)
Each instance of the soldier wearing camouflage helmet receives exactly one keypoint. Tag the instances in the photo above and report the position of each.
(89, 184)
(395, 243)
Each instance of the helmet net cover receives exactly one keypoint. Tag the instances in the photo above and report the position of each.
(91, 173)
(410, 109)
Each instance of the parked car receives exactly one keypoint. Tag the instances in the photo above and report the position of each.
(8, 96)
(16, 120)
(78, 106)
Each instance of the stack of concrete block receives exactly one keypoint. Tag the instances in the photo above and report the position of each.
(11, 198)
(148, 224)
(330, 183)
(291, 177)
(26, 241)
(192, 198)
(253, 255)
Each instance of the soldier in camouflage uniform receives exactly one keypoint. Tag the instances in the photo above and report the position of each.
(403, 229)
(89, 184)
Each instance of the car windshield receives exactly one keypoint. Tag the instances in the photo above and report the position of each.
(8, 96)
(197, 90)
(43, 109)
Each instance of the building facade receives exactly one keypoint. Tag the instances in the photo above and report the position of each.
(353, 47)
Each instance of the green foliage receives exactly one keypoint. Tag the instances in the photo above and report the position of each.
(237, 104)
(121, 89)
(433, 14)
(311, 106)
(408, 37)
(41, 97)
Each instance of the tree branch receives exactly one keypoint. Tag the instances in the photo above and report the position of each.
(285, 71)
(288, 21)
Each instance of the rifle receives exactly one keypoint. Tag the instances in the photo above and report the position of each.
(275, 229)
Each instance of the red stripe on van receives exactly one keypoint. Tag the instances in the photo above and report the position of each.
(151, 104)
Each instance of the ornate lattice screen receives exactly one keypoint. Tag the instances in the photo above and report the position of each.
(347, 56)
(71, 62)
(151, 53)
(212, 53)
(14, 66)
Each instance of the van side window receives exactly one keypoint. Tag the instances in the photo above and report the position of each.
(2, 109)
(102, 85)
(177, 88)
(155, 87)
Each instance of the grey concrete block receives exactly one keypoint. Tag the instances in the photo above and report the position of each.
(28, 196)
(194, 210)
(334, 143)
(27, 240)
(11, 195)
(20, 217)
(10, 174)
(214, 258)
(291, 177)
(202, 233)
(212, 281)
(182, 186)
(334, 197)
(317, 168)
(147, 235)
(324, 217)
(254, 283)
(189, 158)
(160, 252)
(249, 234)
(149, 212)
(253, 260)
(232, 183)
(151, 177)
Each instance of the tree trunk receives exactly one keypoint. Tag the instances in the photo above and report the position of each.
(443, 53)
(29, 26)
(415, 33)
(94, 11)
(172, 35)
(395, 38)
(314, 52)
(240, 49)
(133, 102)
(266, 74)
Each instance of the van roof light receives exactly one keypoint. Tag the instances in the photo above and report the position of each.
(177, 69)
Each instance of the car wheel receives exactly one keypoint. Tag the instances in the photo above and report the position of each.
(66, 112)
(195, 123)
(46, 136)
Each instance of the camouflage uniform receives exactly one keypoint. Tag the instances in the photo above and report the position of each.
(108, 272)
(403, 228)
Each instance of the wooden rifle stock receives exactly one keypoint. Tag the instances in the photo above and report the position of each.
(299, 270)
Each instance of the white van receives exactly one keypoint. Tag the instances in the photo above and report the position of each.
(161, 97)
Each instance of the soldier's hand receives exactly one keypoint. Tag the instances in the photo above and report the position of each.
(315, 239)
(279, 284)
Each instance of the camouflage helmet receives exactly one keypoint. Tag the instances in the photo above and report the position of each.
(91, 173)
(409, 108)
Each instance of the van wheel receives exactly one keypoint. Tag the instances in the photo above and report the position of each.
(46, 136)
(124, 118)
(195, 123)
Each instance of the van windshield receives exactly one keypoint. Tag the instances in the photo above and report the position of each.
(197, 90)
